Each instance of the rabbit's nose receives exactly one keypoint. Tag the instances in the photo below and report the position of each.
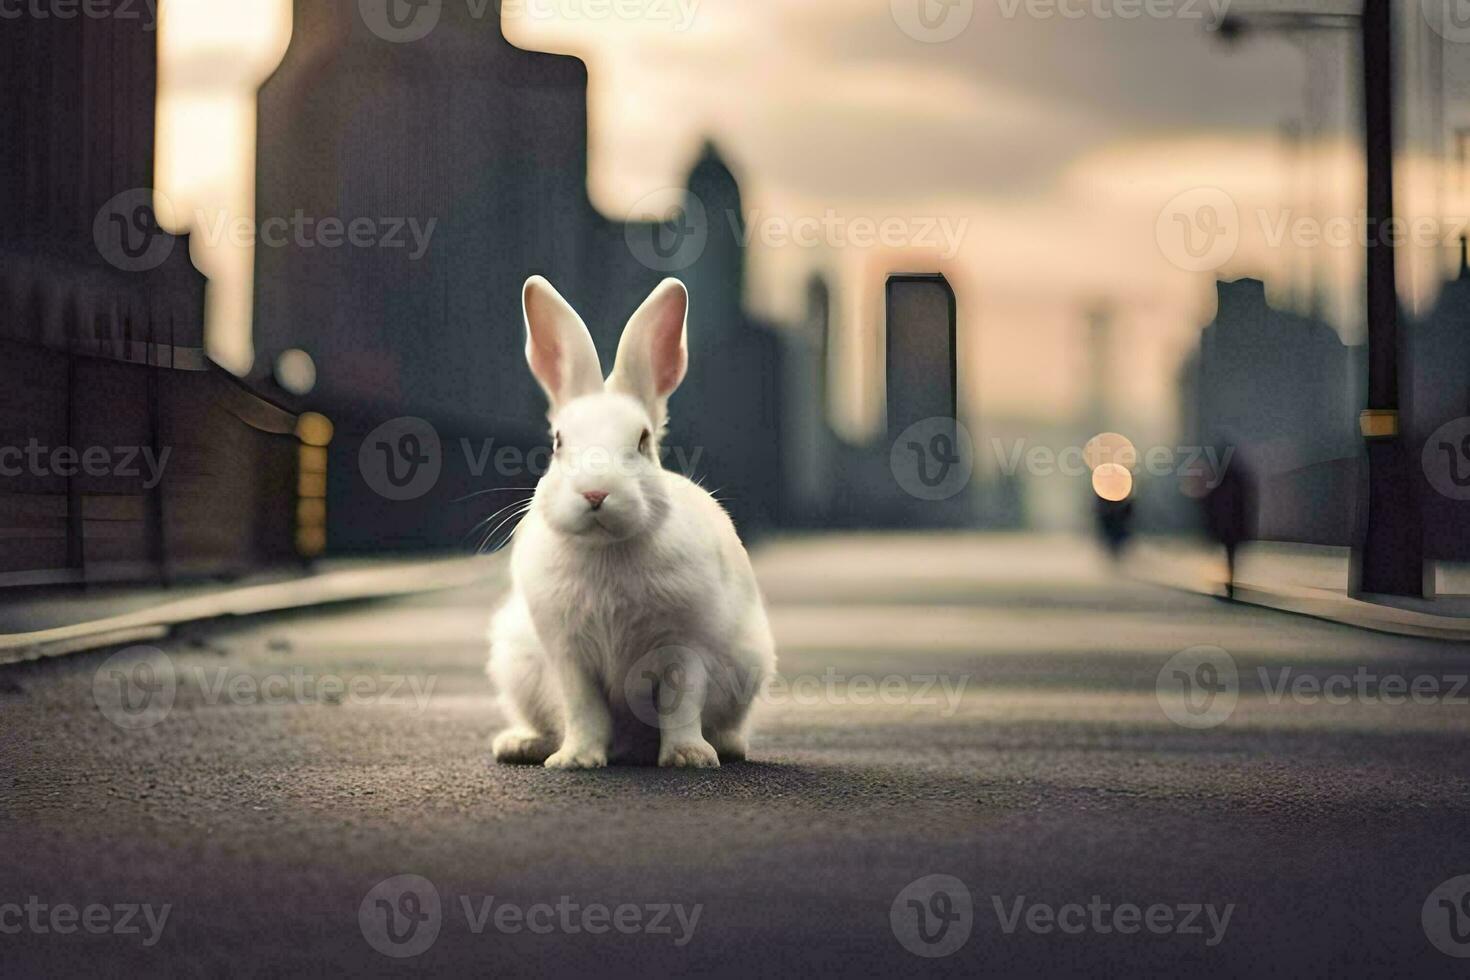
(595, 498)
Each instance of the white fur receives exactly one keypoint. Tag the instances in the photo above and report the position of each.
(635, 631)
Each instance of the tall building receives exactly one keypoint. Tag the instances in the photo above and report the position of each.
(86, 268)
(488, 142)
(480, 145)
(808, 441)
(124, 453)
(730, 408)
(1099, 403)
(1437, 417)
(1282, 392)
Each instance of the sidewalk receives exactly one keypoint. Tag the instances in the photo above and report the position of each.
(1308, 579)
(51, 622)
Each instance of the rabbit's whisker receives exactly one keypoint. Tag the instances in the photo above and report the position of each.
(515, 516)
(481, 493)
(491, 519)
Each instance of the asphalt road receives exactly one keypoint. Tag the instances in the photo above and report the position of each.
(987, 710)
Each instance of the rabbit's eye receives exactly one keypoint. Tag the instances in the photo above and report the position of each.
(644, 441)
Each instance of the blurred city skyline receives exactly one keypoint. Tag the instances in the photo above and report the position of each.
(1033, 158)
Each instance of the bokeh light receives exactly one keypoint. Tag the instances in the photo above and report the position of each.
(1112, 482)
(296, 371)
(1110, 447)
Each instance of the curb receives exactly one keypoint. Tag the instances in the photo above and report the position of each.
(1363, 614)
(1153, 567)
(378, 581)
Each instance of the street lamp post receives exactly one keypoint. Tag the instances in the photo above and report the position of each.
(1391, 557)
(1388, 557)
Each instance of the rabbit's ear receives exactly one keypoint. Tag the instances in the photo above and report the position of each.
(558, 346)
(653, 355)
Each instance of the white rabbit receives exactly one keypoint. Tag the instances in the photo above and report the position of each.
(634, 629)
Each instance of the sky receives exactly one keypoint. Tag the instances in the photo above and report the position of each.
(1055, 136)
(1048, 155)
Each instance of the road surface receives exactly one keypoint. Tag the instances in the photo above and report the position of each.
(969, 767)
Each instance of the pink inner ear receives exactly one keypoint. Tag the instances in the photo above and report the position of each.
(670, 359)
(546, 364)
(547, 355)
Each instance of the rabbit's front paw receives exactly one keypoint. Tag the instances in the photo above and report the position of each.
(689, 755)
(578, 757)
(522, 747)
